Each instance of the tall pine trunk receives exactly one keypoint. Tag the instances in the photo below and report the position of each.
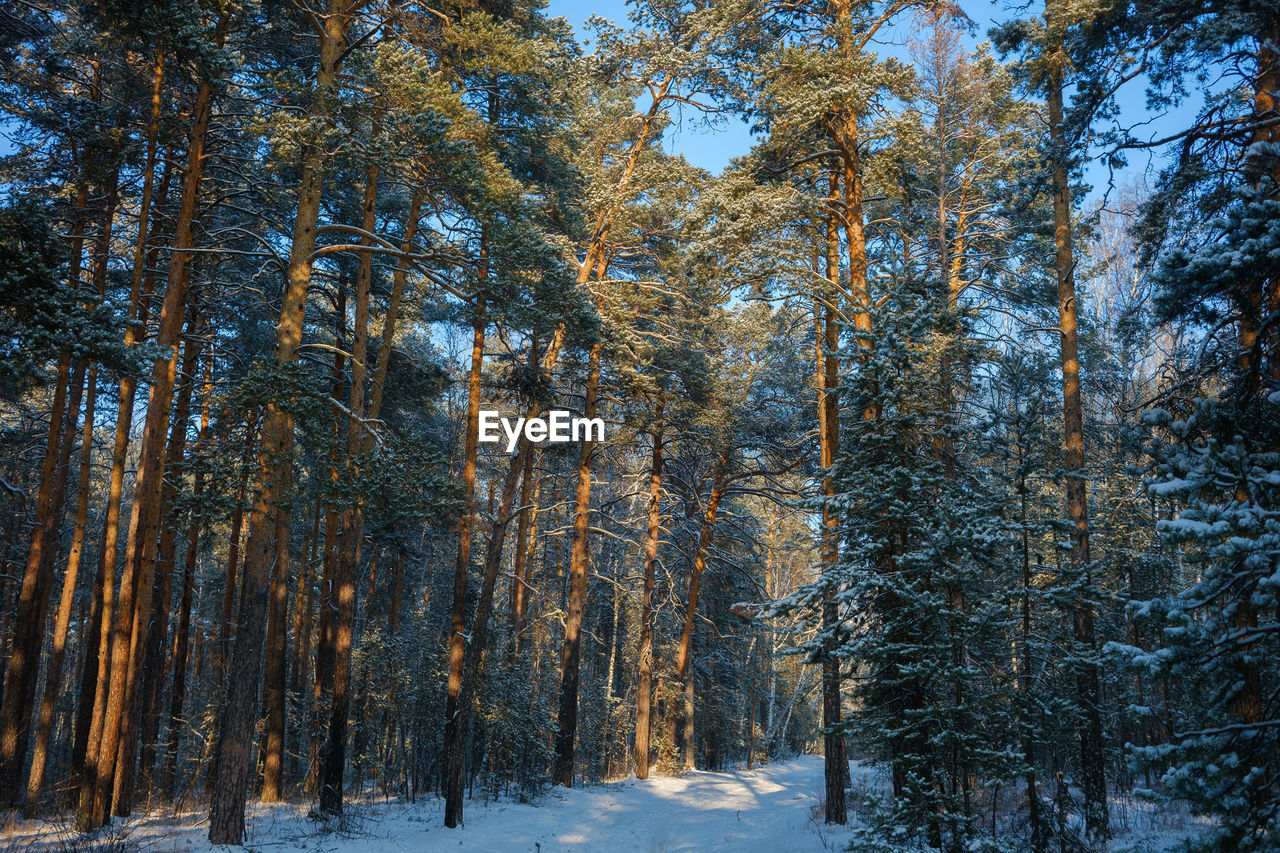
(835, 759)
(460, 722)
(23, 667)
(323, 687)
(596, 259)
(182, 636)
(518, 598)
(270, 509)
(1092, 759)
(454, 732)
(153, 665)
(567, 720)
(118, 713)
(53, 676)
(351, 524)
(684, 650)
(644, 667)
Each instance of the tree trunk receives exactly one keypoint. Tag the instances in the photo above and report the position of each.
(579, 559)
(23, 666)
(458, 725)
(518, 598)
(182, 637)
(392, 315)
(1024, 673)
(1092, 758)
(453, 732)
(92, 632)
(302, 622)
(274, 689)
(53, 675)
(231, 576)
(53, 678)
(455, 749)
(89, 672)
(684, 657)
(153, 666)
(270, 509)
(644, 668)
(324, 644)
(351, 523)
(835, 758)
(595, 259)
(119, 714)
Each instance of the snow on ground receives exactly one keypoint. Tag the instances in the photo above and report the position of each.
(774, 809)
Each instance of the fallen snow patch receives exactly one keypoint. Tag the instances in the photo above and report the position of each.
(770, 809)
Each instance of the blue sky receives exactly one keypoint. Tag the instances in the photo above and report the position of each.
(713, 149)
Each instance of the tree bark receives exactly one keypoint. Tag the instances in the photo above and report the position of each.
(181, 641)
(1092, 758)
(351, 524)
(274, 688)
(324, 643)
(453, 732)
(684, 656)
(567, 720)
(113, 787)
(23, 667)
(270, 510)
(518, 598)
(53, 675)
(1024, 671)
(153, 664)
(302, 622)
(459, 725)
(231, 577)
(644, 668)
(835, 757)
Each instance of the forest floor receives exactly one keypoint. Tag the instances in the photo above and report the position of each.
(772, 809)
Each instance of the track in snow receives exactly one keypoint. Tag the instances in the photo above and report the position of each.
(773, 809)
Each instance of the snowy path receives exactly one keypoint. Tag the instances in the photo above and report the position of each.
(768, 810)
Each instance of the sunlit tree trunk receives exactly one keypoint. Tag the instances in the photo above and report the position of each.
(595, 259)
(835, 759)
(334, 754)
(117, 745)
(53, 676)
(644, 667)
(57, 656)
(23, 665)
(270, 509)
(454, 732)
(684, 651)
(518, 597)
(567, 721)
(153, 665)
(328, 601)
(181, 640)
(1092, 759)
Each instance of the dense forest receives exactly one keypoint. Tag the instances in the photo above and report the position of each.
(942, 426)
